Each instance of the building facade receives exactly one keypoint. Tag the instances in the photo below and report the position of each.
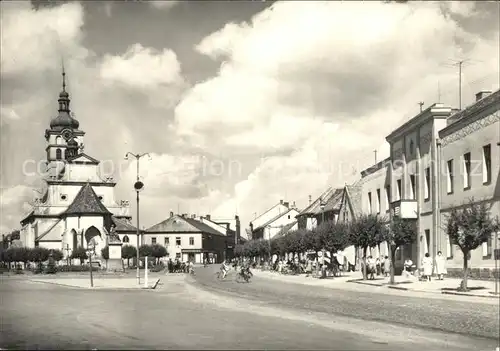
(440, 159)
(189, 238)
(268, 224)
(78, 205)
(325, 208)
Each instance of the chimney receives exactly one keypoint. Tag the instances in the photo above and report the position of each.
(171, 214)
(293, 205)
(185, 215)
(193, 216)
(281, 202)
(286, 204)
(482, 94)
(207, 217)
(238, 230)
(310, 199)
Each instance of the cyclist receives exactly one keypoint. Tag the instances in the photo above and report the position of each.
(224, 269)
(245, 270)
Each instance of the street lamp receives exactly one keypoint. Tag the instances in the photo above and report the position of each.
(269, 241)
(138, 187)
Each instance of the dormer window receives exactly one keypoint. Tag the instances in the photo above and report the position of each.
(100, 197)
(64, 197)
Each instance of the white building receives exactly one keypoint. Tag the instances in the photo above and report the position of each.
(273, 221)
(77, 204)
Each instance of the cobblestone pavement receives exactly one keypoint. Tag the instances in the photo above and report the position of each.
(49, 316)
(478, 319)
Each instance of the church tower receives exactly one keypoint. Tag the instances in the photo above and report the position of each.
(64, 139)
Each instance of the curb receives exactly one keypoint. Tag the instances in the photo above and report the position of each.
(399, 288)
(466, 294)
(364, 283)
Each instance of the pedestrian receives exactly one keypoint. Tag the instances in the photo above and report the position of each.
(427, 266)
(371, 268)
(440, 265)
(387, 266)
(378, 265)
(408, 266)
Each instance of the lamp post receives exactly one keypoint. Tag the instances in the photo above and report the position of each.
(138, 187)
(269, 241)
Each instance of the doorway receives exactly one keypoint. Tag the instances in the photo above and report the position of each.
(191, 257)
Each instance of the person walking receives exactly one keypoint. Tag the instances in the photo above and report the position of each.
(440, 265)
(427, 266)
(387, 266)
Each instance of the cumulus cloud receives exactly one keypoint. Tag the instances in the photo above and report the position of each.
(142, 67)
(14, 201)
(36, 40)
(163, 4)
(299, 67)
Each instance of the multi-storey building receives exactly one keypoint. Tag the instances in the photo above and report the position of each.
(439, 160)
(325, 208)
(271, 222)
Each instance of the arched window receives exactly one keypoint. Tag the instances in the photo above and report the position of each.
(58, 154)
(126, 239)
(58, 140)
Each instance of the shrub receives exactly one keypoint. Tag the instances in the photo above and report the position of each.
(73, 268)
(79, 253)
(128, 252)
(158, 268)
(105, 252)
(57, 255)
(51, 266)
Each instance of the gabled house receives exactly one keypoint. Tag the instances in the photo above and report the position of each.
(189, 238)
(272, 220)
(326, 207)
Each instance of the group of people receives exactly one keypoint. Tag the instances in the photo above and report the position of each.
(429, 265)
(242, 267)
(180, 267)
(377, 266)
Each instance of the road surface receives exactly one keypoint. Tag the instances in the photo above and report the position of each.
(47, 316)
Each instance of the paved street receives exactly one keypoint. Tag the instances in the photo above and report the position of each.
(48, 316)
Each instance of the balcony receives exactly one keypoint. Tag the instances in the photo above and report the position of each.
(406, 209)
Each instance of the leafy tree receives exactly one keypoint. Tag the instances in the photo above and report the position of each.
(105, 252)
(308, 241)
(79, 253)
(468, 228)
(39, 255)
(145, 250)
(402, 232)
(57, 255)
(366, 231)
(158, 251)
(128, 252)
(238, 250)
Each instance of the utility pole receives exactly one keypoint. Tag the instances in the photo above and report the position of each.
(138, 186)
(421, 104)
(375, 152)
(459, 63)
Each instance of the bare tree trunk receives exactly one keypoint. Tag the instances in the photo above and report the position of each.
(466, 270)
(393, 259)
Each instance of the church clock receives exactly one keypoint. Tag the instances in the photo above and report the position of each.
(67, 134)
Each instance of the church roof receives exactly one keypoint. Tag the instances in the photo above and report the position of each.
(123, 226)
(86, 202)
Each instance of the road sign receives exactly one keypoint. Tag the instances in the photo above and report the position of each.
(496, 254)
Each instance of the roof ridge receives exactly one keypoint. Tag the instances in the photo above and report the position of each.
(86, 201)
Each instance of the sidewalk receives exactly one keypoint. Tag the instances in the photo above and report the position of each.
(403, 286)
(172, 281)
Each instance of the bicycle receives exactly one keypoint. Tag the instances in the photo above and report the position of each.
(219, 275)
(244, 276)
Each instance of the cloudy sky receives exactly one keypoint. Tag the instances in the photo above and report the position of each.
(239, 104)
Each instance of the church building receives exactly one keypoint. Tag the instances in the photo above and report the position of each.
(77, 205)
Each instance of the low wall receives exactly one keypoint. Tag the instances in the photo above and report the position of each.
(475, 273)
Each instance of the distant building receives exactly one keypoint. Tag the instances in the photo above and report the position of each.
(78, 205)
(312, 216)
(271, 222)
(189, 238)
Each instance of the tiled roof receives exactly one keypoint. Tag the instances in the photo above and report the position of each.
(286, 229)
(122, 225)
(314, 208)
(48, 230)
(273, 219)
(476, 107)
(179, 224)
(86, 202)
(335, 201)
(353, 193)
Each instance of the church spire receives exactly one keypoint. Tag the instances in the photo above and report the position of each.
(63, 77)
(64, 119)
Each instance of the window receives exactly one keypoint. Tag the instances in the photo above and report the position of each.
(58, 154)
(178, 241)
(413, 184)
(99, 197)
(153, 240)
(378, 200)
(178, 255)
(486, 164)
(388, 196)
(166, 241)
(126, 239)
(449, 247)
(398, 195)
(427, 189)
(427, 240)
(449, 177)
(191, 241)
(288, 216)
(64, 197)
(369, 202)
(466, 161)
(486, 248)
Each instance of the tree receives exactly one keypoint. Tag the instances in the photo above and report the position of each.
(366, 231)
(402, 232)
(105, 252)
(57, 255)
(128, 252)
(158, 251)
(468, 228)
(79, 253)
(39, 255)
(145, 250)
